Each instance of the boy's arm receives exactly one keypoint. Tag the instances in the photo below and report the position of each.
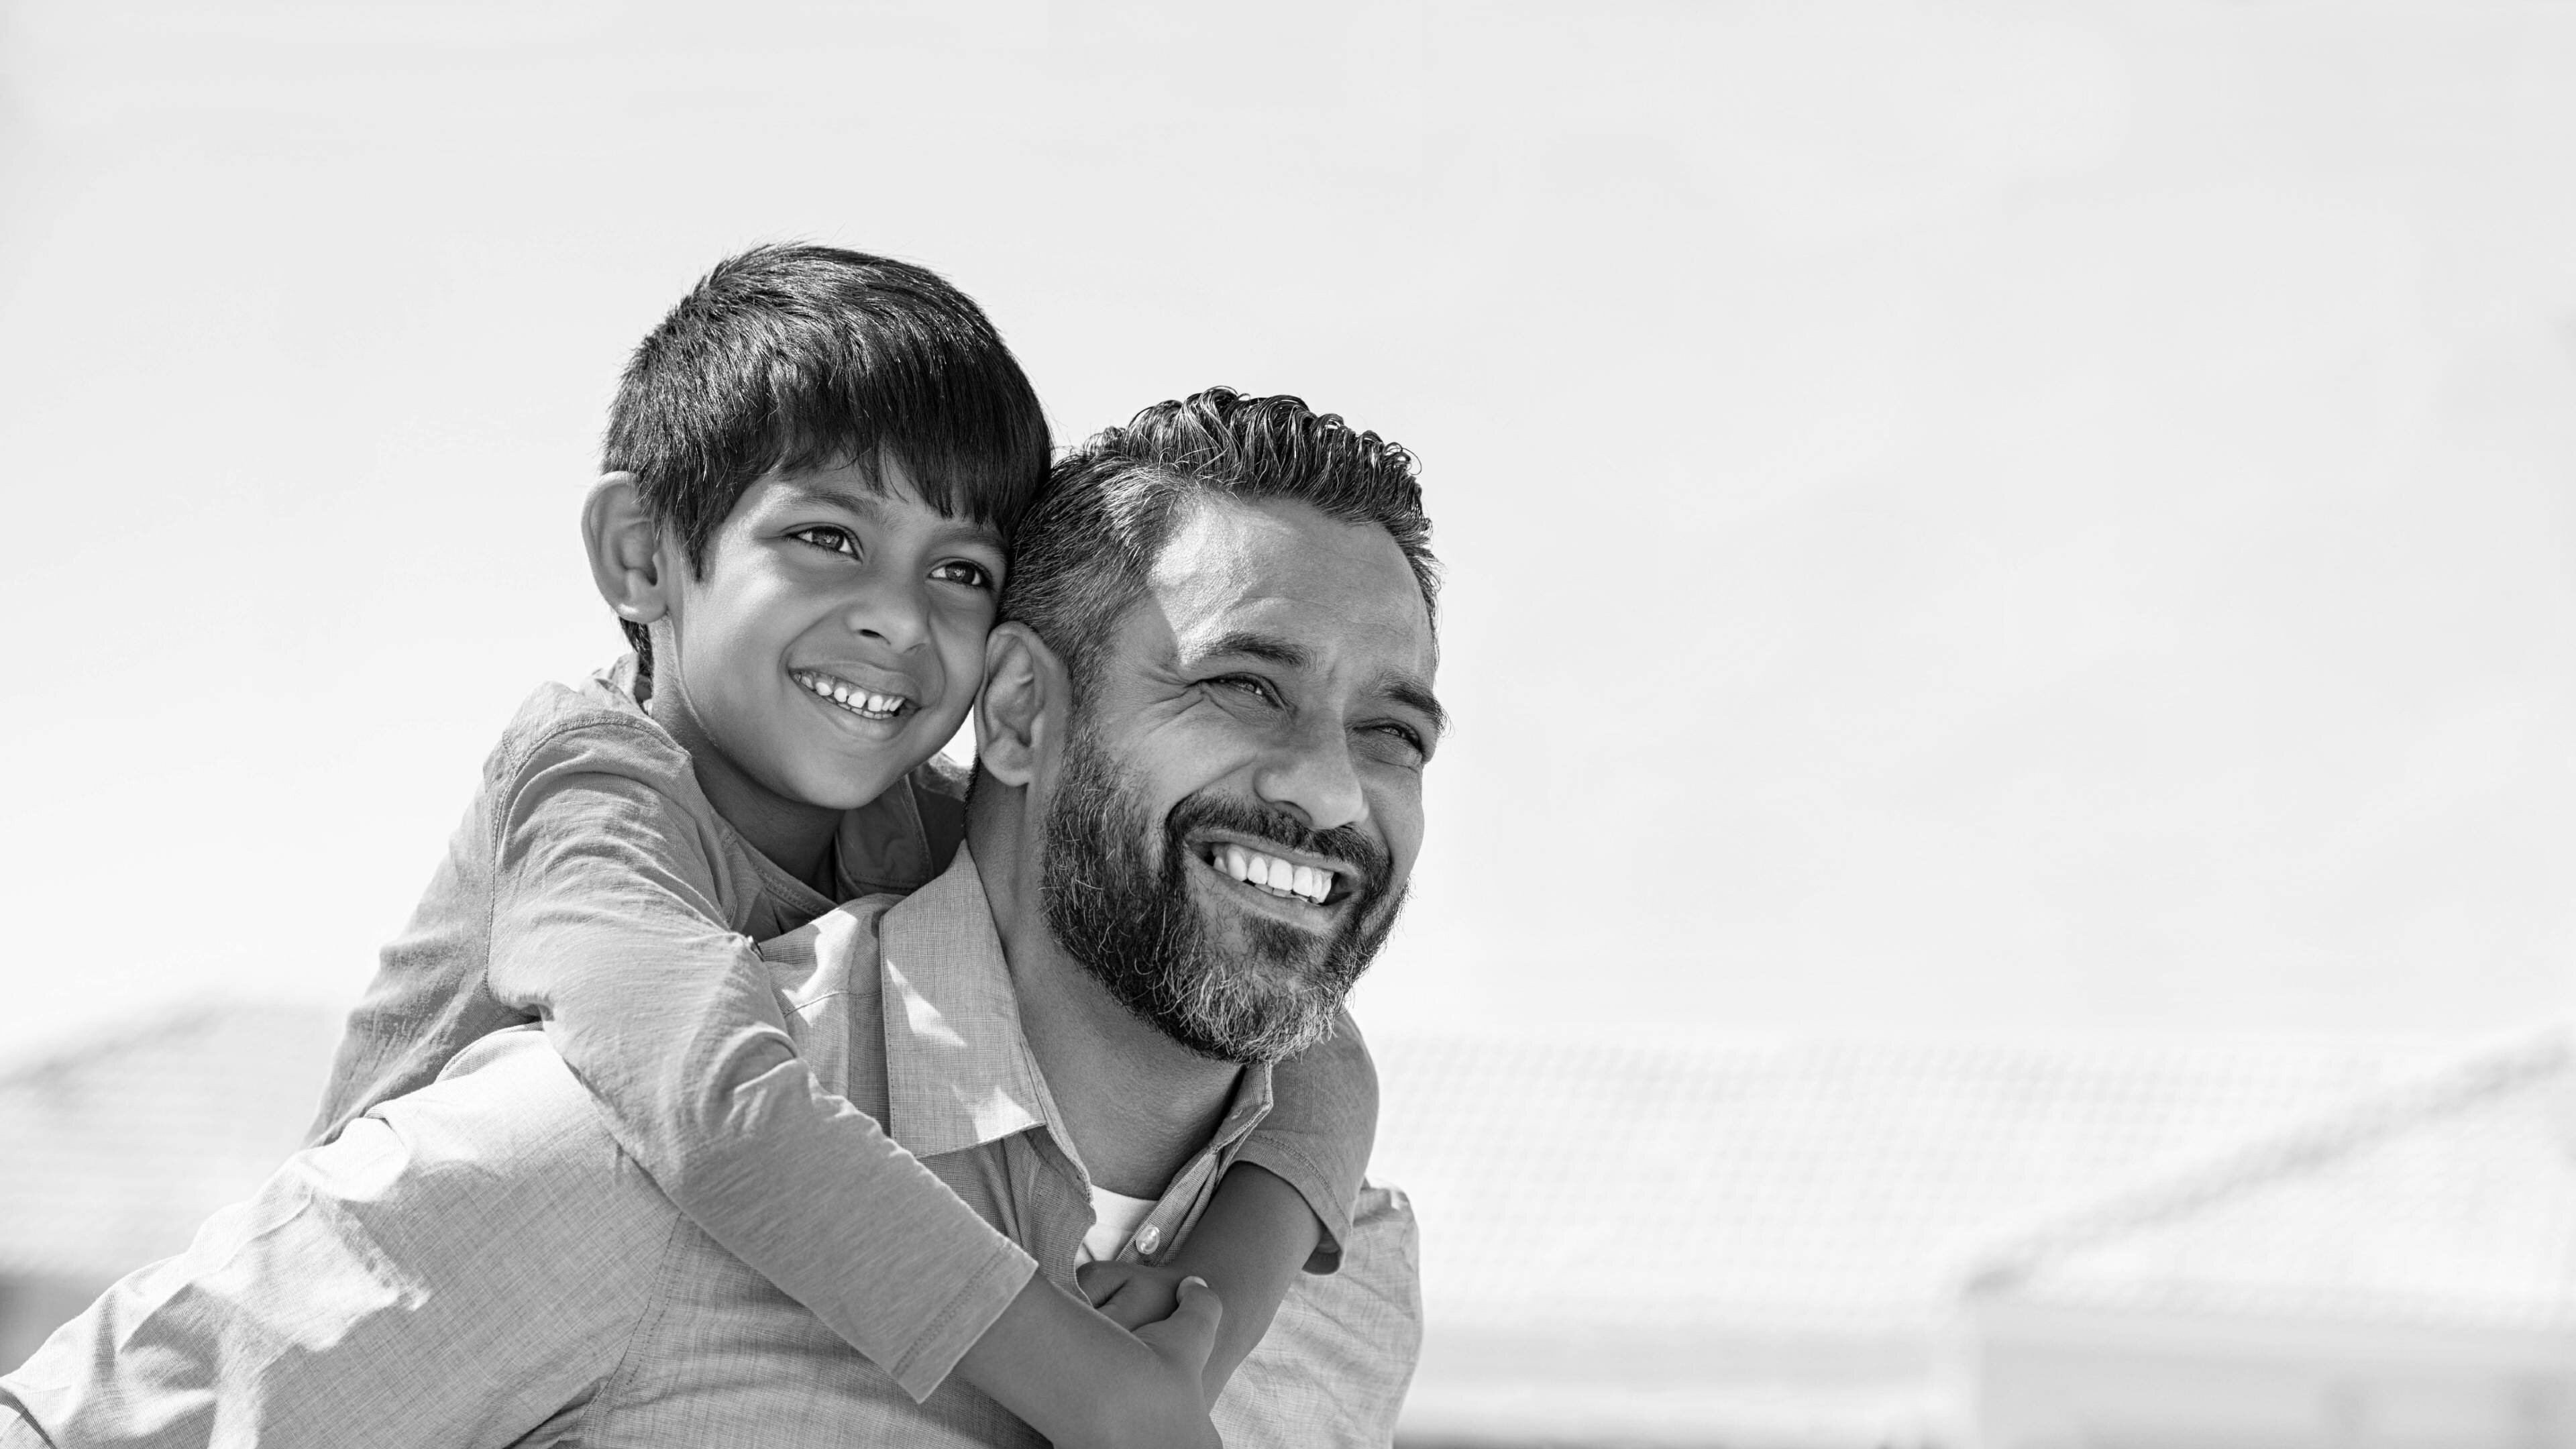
(606, 922)
(1024, 1361)
(1285, 1204)
(1322, 1124)
(1254, 1235)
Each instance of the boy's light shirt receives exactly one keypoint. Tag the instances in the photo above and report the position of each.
(592, 884)
(358, 1298)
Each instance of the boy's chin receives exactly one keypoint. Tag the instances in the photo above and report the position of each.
(847, 791)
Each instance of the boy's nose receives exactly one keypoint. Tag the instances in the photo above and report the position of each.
(893, 614)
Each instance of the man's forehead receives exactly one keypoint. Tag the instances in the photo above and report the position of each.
(1270, 567)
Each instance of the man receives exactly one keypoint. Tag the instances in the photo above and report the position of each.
(1201, 738)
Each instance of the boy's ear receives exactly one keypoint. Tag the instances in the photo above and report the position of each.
(1020, 710)
(625, 549)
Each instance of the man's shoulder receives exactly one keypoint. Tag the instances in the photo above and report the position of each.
(507, 1110)
(827, 978)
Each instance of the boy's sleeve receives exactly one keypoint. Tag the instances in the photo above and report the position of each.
(608, 925)
(1322, 1123)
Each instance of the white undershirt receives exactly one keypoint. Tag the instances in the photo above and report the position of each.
(1115, 1217)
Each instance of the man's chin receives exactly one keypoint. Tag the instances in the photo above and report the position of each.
(1279, 1012)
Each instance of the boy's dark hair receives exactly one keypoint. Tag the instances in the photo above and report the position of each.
(801, 357)
(1086, 550)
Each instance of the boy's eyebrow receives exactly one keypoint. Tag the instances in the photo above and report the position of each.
(871, 506)
(867, 505)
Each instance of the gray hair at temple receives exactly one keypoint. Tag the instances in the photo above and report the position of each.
(1084, 552)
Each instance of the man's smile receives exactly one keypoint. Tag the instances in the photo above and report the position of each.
(1307, 889)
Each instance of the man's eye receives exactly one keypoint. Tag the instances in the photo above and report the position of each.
(1403, 734)
(825, 536)
(964, 571)
(1247, 684)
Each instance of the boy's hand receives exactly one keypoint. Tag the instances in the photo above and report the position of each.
(1088, 1382)
(1182, 1341)
(1131, 1294)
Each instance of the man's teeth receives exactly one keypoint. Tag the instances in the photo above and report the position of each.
(855, 700)
(1270, 873)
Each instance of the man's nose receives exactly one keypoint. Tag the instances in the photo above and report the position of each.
(893, 611)
(1313, 774)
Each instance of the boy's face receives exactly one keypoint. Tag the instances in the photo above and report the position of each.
(834, 641)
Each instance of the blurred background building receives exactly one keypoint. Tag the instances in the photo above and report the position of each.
(1695, 1241)
(2012, 615)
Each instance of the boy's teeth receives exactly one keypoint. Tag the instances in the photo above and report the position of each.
(851, 698)
(1270, 873)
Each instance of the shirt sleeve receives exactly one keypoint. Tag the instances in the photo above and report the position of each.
(357, 1297)
(607, 924)
(1322, 1123)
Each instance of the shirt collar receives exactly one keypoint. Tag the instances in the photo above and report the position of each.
(887, 837)
(958, 1069)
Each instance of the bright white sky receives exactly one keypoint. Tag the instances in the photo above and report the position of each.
(1961, 516)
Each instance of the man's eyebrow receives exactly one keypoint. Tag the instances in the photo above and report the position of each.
(1404, 689)
(1415, 695)
(1268, 648)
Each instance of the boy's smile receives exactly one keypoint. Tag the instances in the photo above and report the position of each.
(858, 699)
(833, 641)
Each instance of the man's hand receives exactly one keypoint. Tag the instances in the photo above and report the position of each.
(1132, 1295)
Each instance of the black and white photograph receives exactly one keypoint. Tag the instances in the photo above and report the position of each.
(1662, 724)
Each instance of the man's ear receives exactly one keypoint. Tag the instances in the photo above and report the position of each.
(625, 550)
(1020, 710)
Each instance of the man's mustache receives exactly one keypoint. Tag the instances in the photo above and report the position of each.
(1345, 843)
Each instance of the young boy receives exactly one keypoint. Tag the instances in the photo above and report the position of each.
(813, 469)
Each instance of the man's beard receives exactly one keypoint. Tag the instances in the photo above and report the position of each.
(1139, 931)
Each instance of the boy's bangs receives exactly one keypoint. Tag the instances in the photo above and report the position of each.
(976, 451)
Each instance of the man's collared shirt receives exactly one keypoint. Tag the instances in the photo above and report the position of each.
(477, 1264)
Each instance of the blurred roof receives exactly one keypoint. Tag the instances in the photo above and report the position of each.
(118, 1148)
(2446, 1201)
(1790, 1186)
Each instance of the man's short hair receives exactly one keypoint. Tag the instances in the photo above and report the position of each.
(802, 357)
(1087, 549)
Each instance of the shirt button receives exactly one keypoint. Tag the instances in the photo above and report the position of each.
(1148, 1238)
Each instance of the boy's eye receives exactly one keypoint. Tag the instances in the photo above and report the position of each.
(825, 536)
(964, 571)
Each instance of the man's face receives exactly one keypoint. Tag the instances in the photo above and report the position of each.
(835, 639)
(1239, 801)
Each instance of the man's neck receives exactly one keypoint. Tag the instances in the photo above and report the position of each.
(1136, 1103)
